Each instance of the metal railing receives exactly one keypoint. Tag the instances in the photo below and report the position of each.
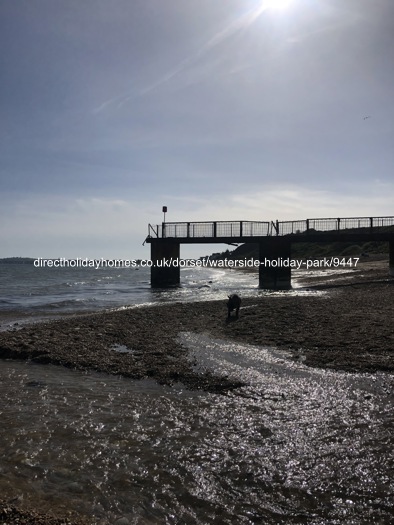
(339, 224)
(231, 229)
(210, 229)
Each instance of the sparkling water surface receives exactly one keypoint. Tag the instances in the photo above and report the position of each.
(296, 445)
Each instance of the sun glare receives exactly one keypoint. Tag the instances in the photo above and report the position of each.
(277, 4)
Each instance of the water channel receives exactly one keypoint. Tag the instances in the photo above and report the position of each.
(296, 445)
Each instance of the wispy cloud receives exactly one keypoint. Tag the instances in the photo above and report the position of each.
(100, 204)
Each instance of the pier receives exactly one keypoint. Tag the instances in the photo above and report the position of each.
(274, 238)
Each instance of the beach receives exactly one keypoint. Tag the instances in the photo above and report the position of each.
(348, 327)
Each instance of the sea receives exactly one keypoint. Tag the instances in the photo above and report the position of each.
(29, 292)
(296, 445)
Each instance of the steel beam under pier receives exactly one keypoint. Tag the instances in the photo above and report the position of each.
(163, 273)
(273, 275)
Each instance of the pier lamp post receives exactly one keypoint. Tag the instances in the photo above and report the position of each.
(164, 220)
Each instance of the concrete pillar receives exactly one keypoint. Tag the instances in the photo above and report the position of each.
(164, 273)
(274, 255)
(391, 258)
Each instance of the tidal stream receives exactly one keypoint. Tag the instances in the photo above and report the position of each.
(296, 445)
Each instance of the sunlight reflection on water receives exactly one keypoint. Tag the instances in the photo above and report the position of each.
(295, 445)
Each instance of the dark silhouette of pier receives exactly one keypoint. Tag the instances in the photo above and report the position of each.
(273, 237)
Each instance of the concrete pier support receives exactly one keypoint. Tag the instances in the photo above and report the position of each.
(164, 273)
(274, 252)
(391, 258)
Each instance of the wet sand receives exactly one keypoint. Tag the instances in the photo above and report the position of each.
(350, 327)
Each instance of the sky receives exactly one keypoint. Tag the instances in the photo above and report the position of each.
(218, 109)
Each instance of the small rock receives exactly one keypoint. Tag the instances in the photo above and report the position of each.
(122, 521)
